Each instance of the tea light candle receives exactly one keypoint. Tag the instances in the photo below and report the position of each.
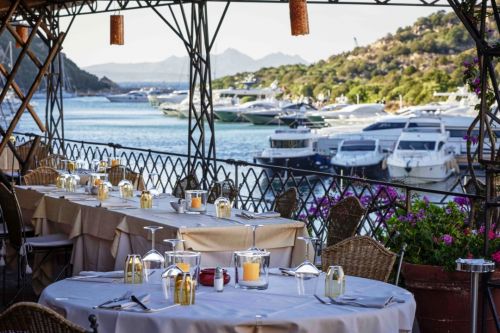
(251, 271)
(184, 266)
(196, 202)
(115, 162)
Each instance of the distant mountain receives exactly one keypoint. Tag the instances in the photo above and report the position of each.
(176, 69)
(414, 62)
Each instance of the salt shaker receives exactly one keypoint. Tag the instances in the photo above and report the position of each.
(218, 280)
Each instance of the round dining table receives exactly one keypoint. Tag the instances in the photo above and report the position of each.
(277, 309)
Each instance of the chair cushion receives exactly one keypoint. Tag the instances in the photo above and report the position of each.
(49, 241)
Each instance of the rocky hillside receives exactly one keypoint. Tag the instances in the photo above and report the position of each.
(77, 79)
(415, 61)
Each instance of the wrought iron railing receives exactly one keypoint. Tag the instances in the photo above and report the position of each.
(260, 184)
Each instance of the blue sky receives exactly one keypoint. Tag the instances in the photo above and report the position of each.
(254, 29)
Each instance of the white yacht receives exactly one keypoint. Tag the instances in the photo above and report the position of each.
(421, 155)
(133, 96)
(361, 157)
(293, 148)
(388, 129)
(356, 112)
(274, 116)
(234, 113)
(164, 100)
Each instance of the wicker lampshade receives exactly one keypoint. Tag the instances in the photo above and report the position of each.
(23, 32)
(298, 17)
(116, 29)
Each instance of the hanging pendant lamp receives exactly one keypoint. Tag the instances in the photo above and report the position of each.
(23, 32)
(299, 20)
(116, 29)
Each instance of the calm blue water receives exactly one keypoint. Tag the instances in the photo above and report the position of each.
(140, 125)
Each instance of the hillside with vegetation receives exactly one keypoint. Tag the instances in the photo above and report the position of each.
(414, 62)
(77, 79)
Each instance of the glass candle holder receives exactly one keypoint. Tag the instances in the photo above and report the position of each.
(146, 200)
(114, 161)
(223, 208)
(103, 165)
(61, 181)
(71, 183)
(187, 261)
(252, 269)
(71, 166)
(102, 191)
(133, 272)
(185, 289)
(196, 200)
(334, 282)
(126, 189)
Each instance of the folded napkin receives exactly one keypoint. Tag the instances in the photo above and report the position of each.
(263, 215)
(125, 304)
(118, 205)
(111, 274)
(378, 302)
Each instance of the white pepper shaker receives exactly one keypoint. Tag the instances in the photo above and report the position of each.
(218, 280)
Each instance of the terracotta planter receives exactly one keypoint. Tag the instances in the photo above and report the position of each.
(443, 300)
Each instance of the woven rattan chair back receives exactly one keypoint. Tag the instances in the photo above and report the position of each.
(29, 317)
(40, 152)
(12, 216)
(227, 187)
(117, 172)
(286, 203)
(360, 256)
(41, 176)
(190, 182)
(343, 219)
(53, 161)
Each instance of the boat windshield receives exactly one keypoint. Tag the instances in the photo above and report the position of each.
(358, 147)
(383, 126)
(289, 143)
(417, 145)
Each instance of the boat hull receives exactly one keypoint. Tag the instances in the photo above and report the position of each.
(421, 174)
(374, 171)
(259, 119)
(122, 99)
(229, 117)
(310, 163)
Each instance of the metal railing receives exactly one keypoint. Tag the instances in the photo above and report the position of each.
(260, 184)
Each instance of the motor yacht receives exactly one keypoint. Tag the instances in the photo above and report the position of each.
(173, 98)
(274, 116)
(293, 148)
(363, 158)
(234, 113)
(421, 155)
(133, 96)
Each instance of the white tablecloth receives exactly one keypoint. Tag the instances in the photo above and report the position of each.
(277, 309)
(103, 237)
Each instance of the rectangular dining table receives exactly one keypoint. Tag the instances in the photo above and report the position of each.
(105, 233)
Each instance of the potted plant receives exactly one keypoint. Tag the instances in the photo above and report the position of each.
(437, 235)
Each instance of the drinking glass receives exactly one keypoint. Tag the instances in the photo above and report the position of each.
(187, 261)
(254, 229)
(306, 274)
(153, 260)
(133, 272)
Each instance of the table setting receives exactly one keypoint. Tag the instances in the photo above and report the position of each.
(251, 295)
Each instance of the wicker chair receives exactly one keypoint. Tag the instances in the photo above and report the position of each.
(31, 152)
(53, 161)
(41, 176)
(343, 220)
(116, 174)
(226, 186)
(190, 182)
(360, 256)
(30, 317)
(286, 203)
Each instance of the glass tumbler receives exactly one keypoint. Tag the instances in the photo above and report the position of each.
(252, 269)
(187, 261)
(133, 272)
